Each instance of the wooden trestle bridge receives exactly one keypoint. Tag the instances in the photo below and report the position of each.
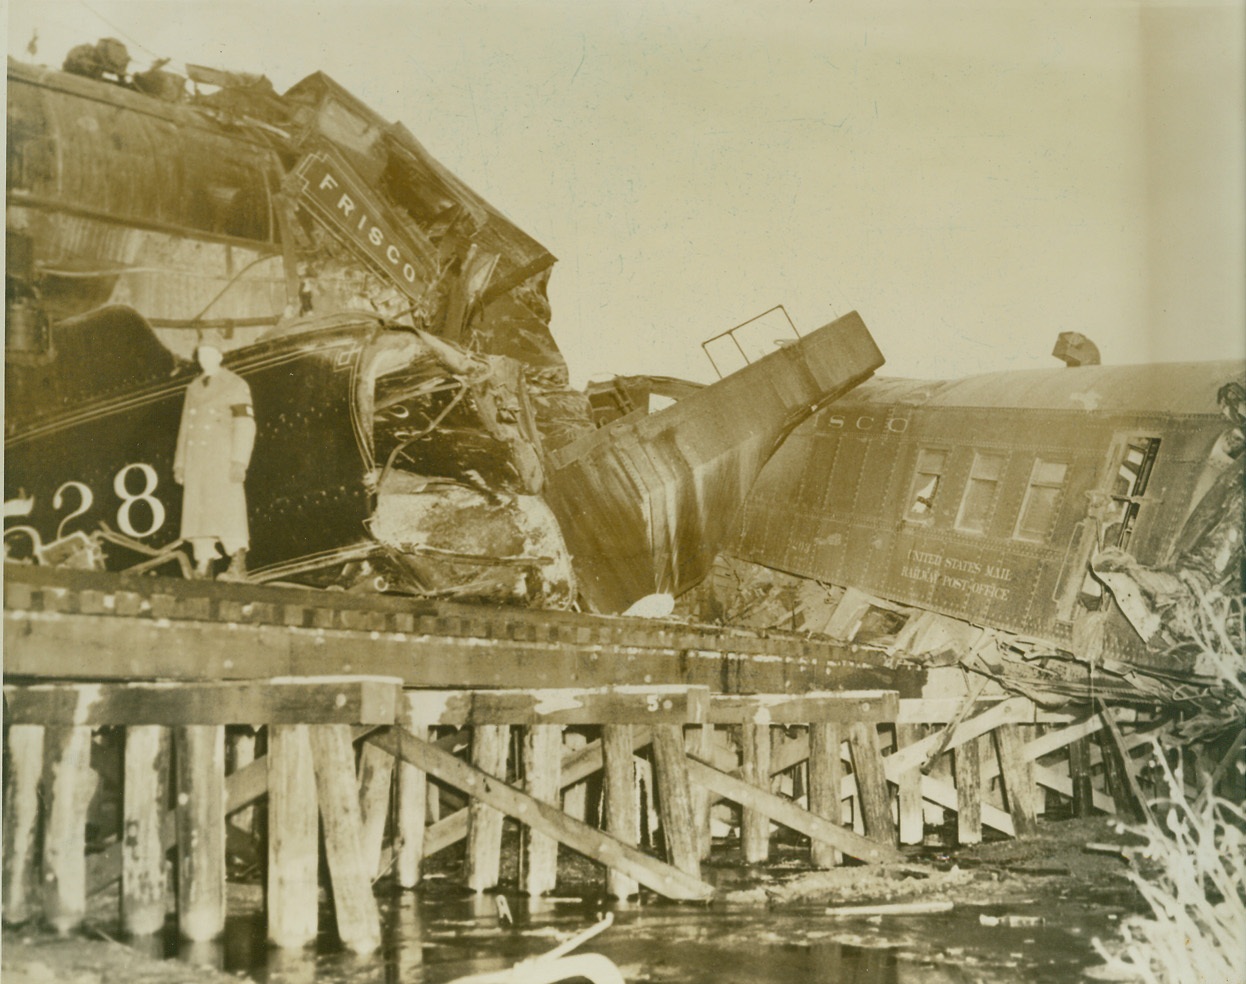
(363, 698)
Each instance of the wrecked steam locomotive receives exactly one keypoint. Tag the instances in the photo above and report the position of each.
(415, 429)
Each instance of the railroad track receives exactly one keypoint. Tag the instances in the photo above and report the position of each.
(72, 624)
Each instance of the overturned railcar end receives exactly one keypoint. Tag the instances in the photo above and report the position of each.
(646, 502)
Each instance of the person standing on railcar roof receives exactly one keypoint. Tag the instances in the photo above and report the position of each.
(214, 445)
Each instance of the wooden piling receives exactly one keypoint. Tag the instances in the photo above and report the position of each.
(358, 921)
(675, 799)
(144, 872)
(700, 743)
(622, 805)
(909, 790)
(299, 966)
(23, 774)
(293, 837)
(1114, 780)
(240, 745)
(941, 771)
(1079, 776)
(376, 778)
(434, 803)
(783, 779)
(575, 798)
(152, 946)
(967, 769)
(646, 799)
(413, 806)
(1118, 770)
(1017, 775)
(755, 767)
(200, 756)
(209, 954)
(70, 782)
(871, 777)
(542, 762)
(826, 772)
(484, 824)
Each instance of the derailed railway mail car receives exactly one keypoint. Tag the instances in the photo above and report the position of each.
(994, 499)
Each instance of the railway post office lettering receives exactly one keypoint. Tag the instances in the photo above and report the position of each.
(914, 573)
(967, 576)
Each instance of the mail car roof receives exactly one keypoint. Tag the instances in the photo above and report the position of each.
(1165, 388)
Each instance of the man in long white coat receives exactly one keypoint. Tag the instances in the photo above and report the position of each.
(214, 444)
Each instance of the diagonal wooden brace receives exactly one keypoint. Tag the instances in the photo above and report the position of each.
(576, 766)
(786, 812)
(662, 878)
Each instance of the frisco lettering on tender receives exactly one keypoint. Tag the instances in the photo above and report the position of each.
(374, 233)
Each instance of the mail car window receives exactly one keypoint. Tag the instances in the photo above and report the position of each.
(926, 480)
(979, 499)
(1042, 501)
(1129, 485)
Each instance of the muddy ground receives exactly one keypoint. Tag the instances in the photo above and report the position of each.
(1006, 911)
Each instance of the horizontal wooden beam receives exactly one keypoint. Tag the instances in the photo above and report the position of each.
(605, 705)
(941, 710)
(64, 590)
(786, 812)
(342, 700)
(55, 645)
(545, 818)
(835, 707)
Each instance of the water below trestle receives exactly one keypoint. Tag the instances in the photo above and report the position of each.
(440, 934)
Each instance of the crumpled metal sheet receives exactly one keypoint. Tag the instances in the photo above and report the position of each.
(473, 544)
(1165, 604)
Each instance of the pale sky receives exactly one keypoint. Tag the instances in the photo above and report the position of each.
(973, 178)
